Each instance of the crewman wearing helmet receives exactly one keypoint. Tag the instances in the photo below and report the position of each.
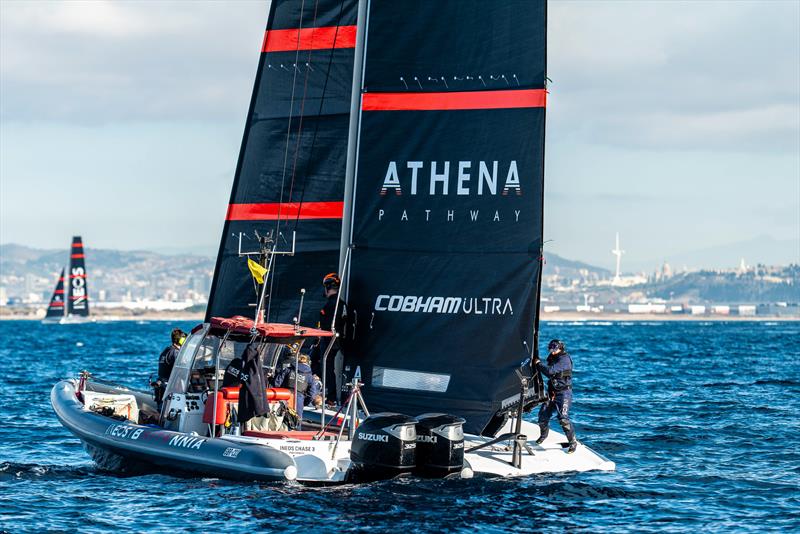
(166, 361)
(558, 370)
(335, 363)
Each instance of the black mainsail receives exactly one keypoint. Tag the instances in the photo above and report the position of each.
(77, 295)
(56, 307)
(290, 173)
(447, 210)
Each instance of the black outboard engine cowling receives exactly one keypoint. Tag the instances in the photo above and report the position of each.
(384, 447)
(440, 444)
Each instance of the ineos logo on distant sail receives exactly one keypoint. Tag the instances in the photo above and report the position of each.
(485, 183)
(78, 282)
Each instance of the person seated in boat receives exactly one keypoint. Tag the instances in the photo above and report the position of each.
(558, 370)
(335, 364)
(166, 361)
(302, 379)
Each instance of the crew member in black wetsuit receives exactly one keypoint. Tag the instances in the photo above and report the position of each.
(166, 361)
(302, 379)
(559, 391)
(335, 364)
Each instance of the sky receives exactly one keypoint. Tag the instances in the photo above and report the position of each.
(676, 124)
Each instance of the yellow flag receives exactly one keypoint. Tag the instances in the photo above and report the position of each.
(256, 270)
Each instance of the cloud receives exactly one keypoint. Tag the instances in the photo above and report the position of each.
(97, 62)
(688, 75)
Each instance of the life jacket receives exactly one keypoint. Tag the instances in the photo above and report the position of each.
(562, 380)
(302, 381)
(166, 361)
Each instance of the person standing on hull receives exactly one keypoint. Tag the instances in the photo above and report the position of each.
(558, 370)
(335, 367)
(166, 361)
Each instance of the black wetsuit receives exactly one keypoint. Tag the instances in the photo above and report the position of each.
(559, 390)
(253, 391)
(325, 321)
(166, 361)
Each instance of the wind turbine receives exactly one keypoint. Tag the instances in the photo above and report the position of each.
(618, 253)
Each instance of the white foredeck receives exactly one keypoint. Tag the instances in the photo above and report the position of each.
(549, 457)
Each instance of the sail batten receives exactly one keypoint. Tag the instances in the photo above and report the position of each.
(274, 211)
(318, 38)
(514, 98)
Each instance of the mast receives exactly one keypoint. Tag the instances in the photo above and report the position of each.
(353, 137)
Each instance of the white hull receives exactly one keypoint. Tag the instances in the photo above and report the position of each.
(549, 457)
(316, 462)
(495, 460)
(69, 320)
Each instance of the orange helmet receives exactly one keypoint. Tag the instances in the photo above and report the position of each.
(331, 280)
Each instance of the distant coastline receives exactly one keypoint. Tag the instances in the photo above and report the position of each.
(659, 317)
(547, 317)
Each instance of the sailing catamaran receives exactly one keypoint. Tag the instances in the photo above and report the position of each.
(74, 306)
(408, 155)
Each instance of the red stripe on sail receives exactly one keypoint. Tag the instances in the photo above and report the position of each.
(76, 256)
(323, 38)
(515, 98)
(77, 245)
(286, 210)
(78, 298)
(56, 304)
(58, 291)
(77, 276)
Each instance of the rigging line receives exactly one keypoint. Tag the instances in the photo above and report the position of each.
(286, 150)
(289, 127)
(299, 138)
(303, 107)
(319, 112)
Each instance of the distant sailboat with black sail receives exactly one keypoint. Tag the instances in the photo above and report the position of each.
(408, 155)
(56, 310)
(70, 302)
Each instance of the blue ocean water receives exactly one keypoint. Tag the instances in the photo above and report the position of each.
(702, 419)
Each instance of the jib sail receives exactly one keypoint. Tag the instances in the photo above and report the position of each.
(290, 173)
(56, 307)
(77, 295)
(447, 211)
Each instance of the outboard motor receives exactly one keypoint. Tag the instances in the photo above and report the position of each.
(440, 444)
(384, 447)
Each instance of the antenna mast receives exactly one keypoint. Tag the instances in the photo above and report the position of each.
(618, 253)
